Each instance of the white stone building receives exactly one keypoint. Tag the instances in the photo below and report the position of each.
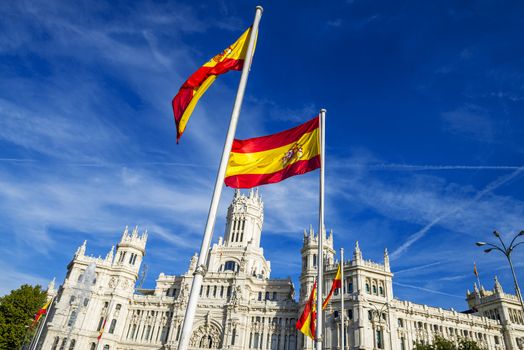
(241, 307)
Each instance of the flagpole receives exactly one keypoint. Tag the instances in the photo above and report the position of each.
(342, 289)
(320, 260)
(34, 342)
(200, 271)
(477, 274)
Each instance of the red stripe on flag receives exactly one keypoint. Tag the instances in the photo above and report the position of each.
(253, 180)
(264, 143)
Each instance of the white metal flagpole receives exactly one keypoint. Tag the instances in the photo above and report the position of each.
(342, 311)
(211, 217)
(320, 253)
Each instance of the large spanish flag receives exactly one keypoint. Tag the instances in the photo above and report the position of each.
(337, 283)
(187, 97)
(273, 158)
(307, 321)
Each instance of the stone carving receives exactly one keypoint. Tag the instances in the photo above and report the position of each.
(207, 336)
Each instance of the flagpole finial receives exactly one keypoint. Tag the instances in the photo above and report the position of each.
(323, 110)
(260, 8)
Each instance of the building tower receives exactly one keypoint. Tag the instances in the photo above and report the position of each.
(130, 251)
(245, 217)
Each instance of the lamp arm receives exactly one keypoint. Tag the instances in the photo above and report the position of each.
(513, 241)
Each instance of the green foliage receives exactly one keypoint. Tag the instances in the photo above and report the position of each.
(441, 343)
(17, 311)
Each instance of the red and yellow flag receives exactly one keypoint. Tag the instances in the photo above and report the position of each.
(307, 321)
(337, 283)
(187, 97)
(102, 329)
(475, 269)
(273, 158)
(41, 312)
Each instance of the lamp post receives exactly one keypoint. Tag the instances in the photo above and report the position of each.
(506, 250)
(376, 319)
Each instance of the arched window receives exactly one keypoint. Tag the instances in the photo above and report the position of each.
(367, 287)
(86, 301)
(72, 344)
(230, 266)
(374, 289)
(381, 290)
(118, 306)
(80, 277)
(93, 346)
(72, 319)
(63, 345)
(55, 343)
(206, 342)
(112, 326)
(233, 336)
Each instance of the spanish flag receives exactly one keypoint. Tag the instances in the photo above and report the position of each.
(475, 271)
(273, 158)
(337, 283)
(41, 312)
(102, 329)
(232, 58)
(307, 321)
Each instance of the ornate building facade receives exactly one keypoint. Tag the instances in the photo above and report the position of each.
(241, 307)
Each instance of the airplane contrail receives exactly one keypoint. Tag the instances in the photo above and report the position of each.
(422, 232)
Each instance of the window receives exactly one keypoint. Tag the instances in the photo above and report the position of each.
(314, 260)
(350, 314)
(350, 287)
(131, 258)
(106, 347)
(80, 277)
(267, 295)
(62, 346)
(233, 336)
(118, 307)
(86, 301)
(93, 346)
(72, 319)
(259, 296)
(55, 343)
(400, 323)
(112, 327)
(228, 291)
(100, 324)
(72, 344)
(72, 299)
(367, 287)
(374, 289)
(370, 315)
(214, 291)
(222, 291)
(230, 266)
(335, 313)
(274, 295)
(381, 290)
(379, 340)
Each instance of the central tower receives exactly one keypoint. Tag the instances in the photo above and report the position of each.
(245, 217)
(240, 250)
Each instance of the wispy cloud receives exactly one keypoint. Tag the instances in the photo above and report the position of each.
(472, 121)
(454, 210)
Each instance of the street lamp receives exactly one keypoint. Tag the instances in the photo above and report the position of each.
(506, 250)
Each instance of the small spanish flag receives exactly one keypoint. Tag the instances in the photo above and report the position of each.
(475, 269)
(41, 312)
(232, 58)
(337, 283)
(273, 158)
(102, 329)
(307, 321)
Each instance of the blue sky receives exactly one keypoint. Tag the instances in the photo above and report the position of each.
(424, 128)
